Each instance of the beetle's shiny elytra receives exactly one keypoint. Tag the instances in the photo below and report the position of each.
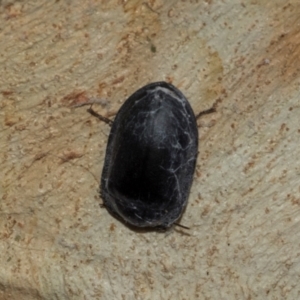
(150, 157)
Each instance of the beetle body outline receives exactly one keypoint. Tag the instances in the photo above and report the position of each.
(150, 157)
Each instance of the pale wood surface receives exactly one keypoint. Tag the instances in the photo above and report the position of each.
(55, 240)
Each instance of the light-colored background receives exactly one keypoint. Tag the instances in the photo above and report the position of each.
(244, 207)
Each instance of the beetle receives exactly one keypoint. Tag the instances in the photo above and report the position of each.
(150, 157)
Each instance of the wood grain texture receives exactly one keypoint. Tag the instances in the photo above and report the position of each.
(55, 240)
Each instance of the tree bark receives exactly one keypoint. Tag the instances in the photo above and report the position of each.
(243, 212)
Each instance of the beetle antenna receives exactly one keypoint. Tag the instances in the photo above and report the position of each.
(206, 112)
(95, 114)
(182, 226)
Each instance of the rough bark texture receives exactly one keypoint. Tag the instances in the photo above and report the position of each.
(244, 207)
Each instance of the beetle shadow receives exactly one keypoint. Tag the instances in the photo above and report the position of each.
(158, 229)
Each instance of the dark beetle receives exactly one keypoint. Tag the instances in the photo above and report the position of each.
(150, 157)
